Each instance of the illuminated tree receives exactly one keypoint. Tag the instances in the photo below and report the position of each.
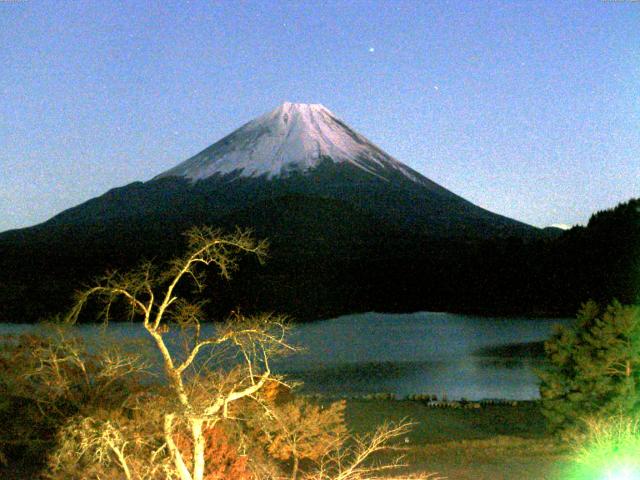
(200, 398)
(594, 366)
(298, 429)
(54, 378)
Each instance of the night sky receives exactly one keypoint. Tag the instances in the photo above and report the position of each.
(529, 109)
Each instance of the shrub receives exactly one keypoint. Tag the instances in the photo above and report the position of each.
(222, 460)
(298, 430)
(605, 448)
(48, 379)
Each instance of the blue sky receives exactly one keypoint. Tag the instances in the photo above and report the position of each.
(529, 109)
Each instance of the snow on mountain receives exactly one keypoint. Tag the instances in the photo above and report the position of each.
(293, 137)
(561, 226)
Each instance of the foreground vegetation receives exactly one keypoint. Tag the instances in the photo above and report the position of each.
(192, 408)
(498, 441)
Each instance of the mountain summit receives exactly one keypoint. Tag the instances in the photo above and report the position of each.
(295, 137)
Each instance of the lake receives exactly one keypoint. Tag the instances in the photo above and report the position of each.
(433, 353)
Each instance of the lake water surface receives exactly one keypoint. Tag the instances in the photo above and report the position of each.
(425, 352)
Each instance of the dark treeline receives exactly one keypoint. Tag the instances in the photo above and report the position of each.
(548, 276)
(350, 266)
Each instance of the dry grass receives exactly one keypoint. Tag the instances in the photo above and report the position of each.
(501, 457)
(493, 443)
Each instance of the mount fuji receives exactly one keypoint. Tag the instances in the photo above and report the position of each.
(298, 175)
(302, 151)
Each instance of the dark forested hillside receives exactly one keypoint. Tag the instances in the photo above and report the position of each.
(358, 263)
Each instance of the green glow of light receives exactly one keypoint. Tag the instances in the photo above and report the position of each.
(609, 450)
(623, 472)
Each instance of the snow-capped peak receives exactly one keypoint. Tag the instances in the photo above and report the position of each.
(293, 137)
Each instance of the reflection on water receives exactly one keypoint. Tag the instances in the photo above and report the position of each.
(471, 378)
(425, 352)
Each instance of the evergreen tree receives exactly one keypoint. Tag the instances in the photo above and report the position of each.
(594, 366)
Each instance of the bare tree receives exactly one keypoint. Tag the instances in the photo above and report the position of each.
(298, 429)
(351, 457)
(202, 396)
(213, 376)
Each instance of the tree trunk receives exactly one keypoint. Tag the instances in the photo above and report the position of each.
(181, 468)
(294, 472)
(198, 448)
